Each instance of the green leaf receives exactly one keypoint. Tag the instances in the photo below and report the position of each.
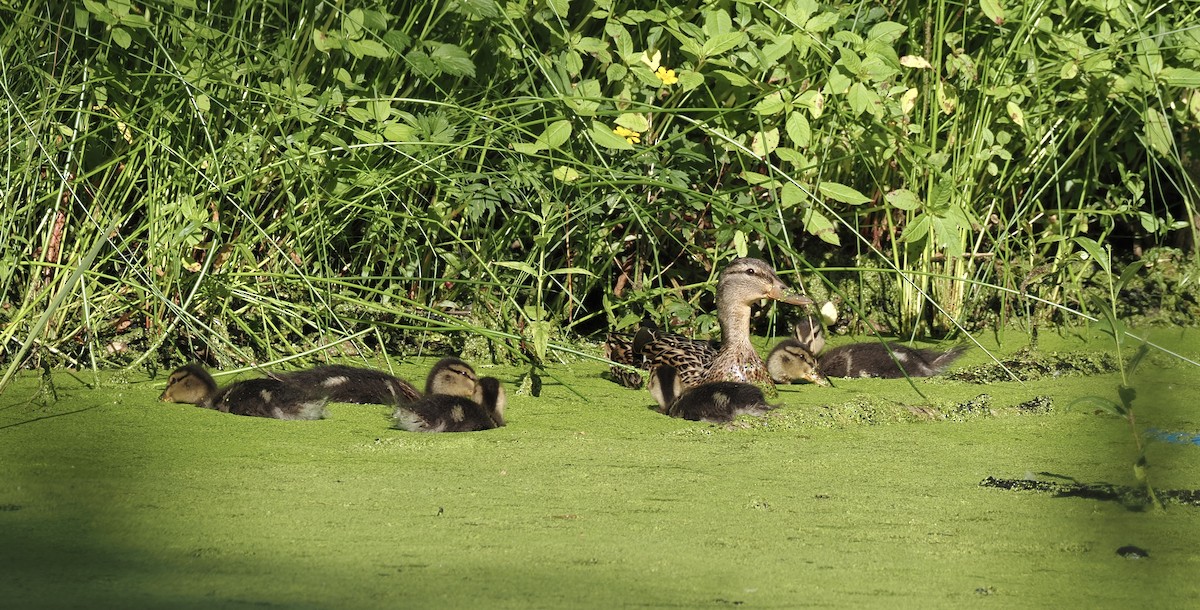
(560, 7)
(529, 148)
(1181, 77)
(1104, 404)
(764, 142)
(121, 37)
(772, 104)
(566, 174)
(452, 60)
(521, 266)
(367, 48)
(539, 332)
(571, 271)
(886, 32)
(818, 225)
(603, 136)
(722, 42)
(993, 10)
(798, 129)
(633, 120)
(735, 79)
(903, 199)
(842, 193)
(556, 134)
(1158, 132)
(1095, 252)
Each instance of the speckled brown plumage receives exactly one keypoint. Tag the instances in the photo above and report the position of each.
(354, 385)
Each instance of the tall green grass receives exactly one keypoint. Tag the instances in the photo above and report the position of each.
(283, 176)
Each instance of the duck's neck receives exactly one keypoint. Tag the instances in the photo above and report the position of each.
(735, 325)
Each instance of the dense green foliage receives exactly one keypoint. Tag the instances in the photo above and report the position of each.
(242, 181)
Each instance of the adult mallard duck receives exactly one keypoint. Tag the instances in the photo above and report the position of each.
(354, 385)
(254, 397)
(793, 359)
(743, 283)
(714, 402)
(454, 401)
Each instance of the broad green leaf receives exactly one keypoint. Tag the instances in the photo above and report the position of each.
(556, 134)
(916, 230)
(798, 129)
(757, 179)
(1181, 77)
(1158, 132)
(821, 22)
(770, 105)
(452, 60)
(1094, 251)
(722, 43)
(886, 32)
(603, 135)
(993, 10)
(903, 199)
(1128, 274)
(121, 37)
(764, 142)
(735, 79)
(740, 246)
(539, 332)
(842, 193)
(366, 48)
(916, 62)
(1015, 113)
(563, 173)
(528, 148)
(560, 7)
(817, 224)
(633, 120)
(690, 79)
(791, 195)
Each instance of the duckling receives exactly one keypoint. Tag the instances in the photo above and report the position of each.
(454, 402)
(254, 397)
(451, 376)
(354, 385)
(888, 361)
(790, 361)
(742, 284)
(714, 402)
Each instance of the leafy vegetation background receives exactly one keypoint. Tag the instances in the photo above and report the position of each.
(239, 181)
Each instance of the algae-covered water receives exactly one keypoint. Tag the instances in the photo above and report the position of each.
(862, 495)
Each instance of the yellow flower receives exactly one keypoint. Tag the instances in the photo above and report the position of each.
(666, 76)
(630, 135)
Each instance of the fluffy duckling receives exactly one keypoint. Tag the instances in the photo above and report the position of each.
(888, 361)
(354, 385)
(743, 283)
(454, 401)
(451, 376)
(790, 361)
(714, 402)
(254, 397)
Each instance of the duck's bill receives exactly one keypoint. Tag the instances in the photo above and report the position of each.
(787, 295)
(817, 378)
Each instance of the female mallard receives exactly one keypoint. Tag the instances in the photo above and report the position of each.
(354, 385)
(714, 402)
(792, 360)
(254, 397)
(744, 282)
(454, 401)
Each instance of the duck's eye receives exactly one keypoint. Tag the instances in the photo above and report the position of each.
(751, 271)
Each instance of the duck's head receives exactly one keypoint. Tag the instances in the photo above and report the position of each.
(490, 395)
(189, 384)
(809, 334)
(451, 376)
(790, 361)
(665, 386)
(749, 280)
